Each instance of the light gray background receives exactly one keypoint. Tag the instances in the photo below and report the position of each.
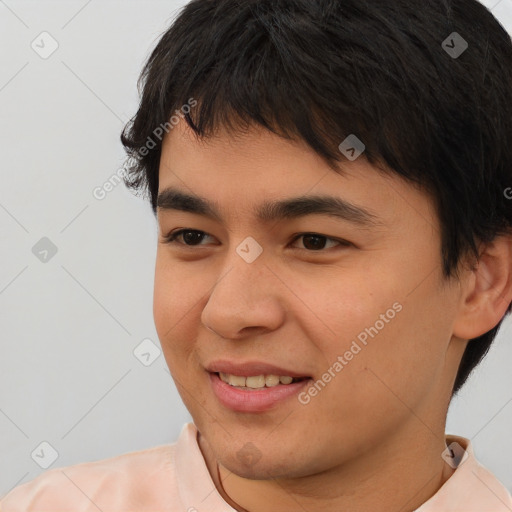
(69, 326)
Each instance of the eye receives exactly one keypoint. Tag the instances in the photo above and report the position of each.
(316, 241)
(190, 236)
(312, 241)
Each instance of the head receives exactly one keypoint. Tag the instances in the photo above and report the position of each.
(263, 94)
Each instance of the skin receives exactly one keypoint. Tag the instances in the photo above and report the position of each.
(372, 438)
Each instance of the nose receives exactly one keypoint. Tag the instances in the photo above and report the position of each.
(245, 301)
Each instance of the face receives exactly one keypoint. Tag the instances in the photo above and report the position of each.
(352, 303)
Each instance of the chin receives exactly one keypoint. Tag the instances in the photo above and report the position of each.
(269, 466)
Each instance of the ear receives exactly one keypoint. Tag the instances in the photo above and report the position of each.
(486, 290)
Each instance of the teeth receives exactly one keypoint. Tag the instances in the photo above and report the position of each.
(235, 380)
(271, 380)
(255, 382)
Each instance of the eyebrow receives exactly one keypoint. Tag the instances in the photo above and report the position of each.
(174, 199)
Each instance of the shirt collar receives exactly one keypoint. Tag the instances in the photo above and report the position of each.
(195, 484)
(471, 487)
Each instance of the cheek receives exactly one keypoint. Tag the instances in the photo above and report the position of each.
(177, 294)
(177, 289)
(381, 379)
(344, 304)
(397, 363)
(385, 335)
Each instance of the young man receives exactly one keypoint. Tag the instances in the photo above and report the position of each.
(331, 184)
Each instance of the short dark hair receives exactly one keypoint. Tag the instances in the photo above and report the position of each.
(320, 70)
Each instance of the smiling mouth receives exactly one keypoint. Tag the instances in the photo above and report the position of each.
(258, 381)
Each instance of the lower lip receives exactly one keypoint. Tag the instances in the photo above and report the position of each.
(257, 400)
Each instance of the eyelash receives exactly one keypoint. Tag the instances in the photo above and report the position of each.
(171, 239)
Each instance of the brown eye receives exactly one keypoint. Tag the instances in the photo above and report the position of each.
(317, 242)
(191, 237)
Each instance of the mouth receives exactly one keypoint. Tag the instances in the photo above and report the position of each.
(256, 393)
(254, 382)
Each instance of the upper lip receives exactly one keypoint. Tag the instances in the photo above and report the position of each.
(250, 368)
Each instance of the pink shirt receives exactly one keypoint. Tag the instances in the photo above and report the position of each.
(174, 478)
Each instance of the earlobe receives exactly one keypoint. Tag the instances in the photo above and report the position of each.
(487, 290)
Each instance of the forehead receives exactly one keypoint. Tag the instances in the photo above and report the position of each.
(248, 168)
